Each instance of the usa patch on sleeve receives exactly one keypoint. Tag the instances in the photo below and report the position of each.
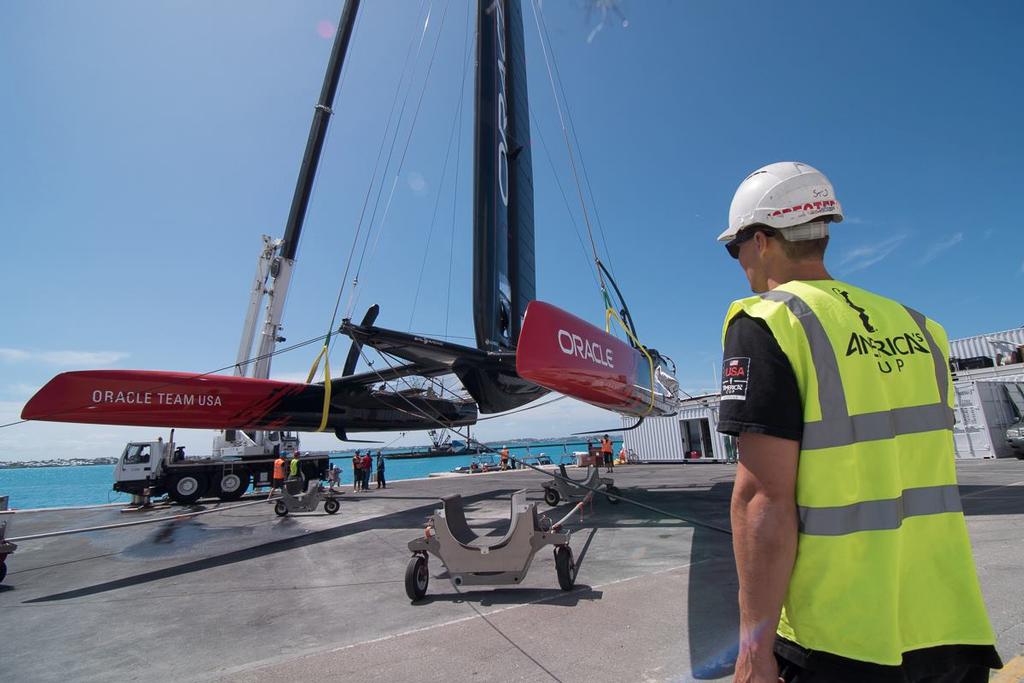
(735, 376)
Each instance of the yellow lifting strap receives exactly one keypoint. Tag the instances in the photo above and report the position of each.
(327, 382)
(610, 313)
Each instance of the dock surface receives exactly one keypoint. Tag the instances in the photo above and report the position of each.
(243, 595)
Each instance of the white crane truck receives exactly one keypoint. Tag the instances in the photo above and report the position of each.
(239, 458)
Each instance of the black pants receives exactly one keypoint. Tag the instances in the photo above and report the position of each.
(381, 484)
(791, 673)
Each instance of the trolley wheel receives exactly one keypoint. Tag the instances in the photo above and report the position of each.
(280, 509)
(186, 489)
(233, 485)
(551, 497)
(3, 571)
(612, 494)
(565, 567)
(417, 577)
(331, 506)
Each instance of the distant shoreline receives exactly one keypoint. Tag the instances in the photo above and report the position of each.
(75, 462)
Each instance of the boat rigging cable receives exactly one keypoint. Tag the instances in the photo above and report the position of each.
(373, 178)
(579, 147)
(565, 198)
(456, 125)
(625, 320)
(354, 293)
(458, 167)
(636, 503)
(325, 350)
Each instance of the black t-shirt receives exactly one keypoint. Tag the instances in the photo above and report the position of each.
(759, 390)
(760, 395)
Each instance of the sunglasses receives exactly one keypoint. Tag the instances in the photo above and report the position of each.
(733, 245)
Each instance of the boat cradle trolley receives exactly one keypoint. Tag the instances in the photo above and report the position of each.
(473, 560)
(565, 487)
(6, 548)
(294, 499)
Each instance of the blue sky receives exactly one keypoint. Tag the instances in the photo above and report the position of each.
(147, 146)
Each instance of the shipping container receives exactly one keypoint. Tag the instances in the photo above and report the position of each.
(1003, 348)
(984, 409)
(691, 435)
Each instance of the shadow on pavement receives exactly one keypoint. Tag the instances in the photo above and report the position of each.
(992, 499)
(404, 519)
(490, 597)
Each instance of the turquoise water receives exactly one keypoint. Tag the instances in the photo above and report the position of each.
(45, 487)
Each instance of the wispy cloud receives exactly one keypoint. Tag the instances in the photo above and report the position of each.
(1020, 271)
(62, 358)
(934, 250)
(417, 183)
(854, 220)
(860, 258)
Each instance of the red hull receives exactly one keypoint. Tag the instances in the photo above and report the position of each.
(566, 354)
(150, 398)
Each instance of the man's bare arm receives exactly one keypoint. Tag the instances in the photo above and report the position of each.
(764, 525)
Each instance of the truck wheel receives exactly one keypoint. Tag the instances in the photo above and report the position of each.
(280, 509)
(186, 489)
(417, 578)
(233, 485)
(551, 497)
(612, 493)
(331, 506)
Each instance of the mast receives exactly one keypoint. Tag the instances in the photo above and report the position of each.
(503, 242)
(281, 268)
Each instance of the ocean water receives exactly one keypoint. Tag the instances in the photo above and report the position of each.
(47, 487)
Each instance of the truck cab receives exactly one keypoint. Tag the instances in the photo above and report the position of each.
(139, 464)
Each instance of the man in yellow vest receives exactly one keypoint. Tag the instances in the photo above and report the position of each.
(851, 547)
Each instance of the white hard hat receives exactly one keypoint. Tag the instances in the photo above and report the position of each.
(783, 195)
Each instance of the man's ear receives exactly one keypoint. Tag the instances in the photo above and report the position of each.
(761, 241)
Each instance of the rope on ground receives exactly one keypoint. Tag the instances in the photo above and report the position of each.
(665, 513)
(138, 522)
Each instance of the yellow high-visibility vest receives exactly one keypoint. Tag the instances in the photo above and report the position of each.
(883, 563)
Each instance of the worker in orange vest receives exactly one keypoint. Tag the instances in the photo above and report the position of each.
(504, 457)
(623, 455)
(606, 453)
(277, 481)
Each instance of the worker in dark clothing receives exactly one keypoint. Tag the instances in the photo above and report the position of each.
(357, 472)
(381, 482)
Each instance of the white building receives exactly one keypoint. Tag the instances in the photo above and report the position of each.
(989, 398)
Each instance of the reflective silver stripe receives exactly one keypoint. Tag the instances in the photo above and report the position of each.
(831, 396)
(877, 515)
(837, 427)
(885, 424)
(940, 361)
